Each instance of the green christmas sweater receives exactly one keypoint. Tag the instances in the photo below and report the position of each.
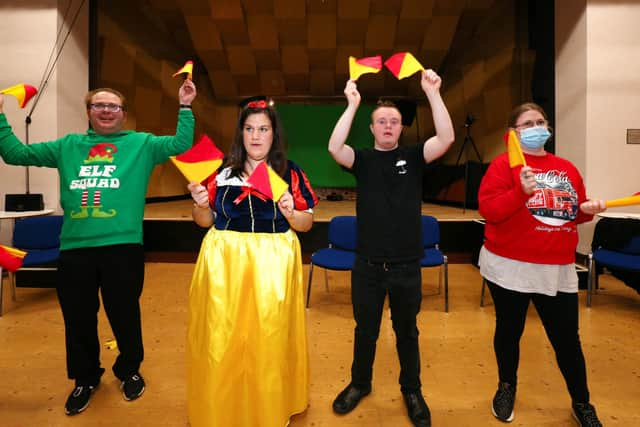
(103, 178)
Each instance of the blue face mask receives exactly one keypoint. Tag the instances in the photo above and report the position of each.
(535, 137)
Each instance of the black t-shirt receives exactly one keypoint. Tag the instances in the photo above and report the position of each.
(389, 203)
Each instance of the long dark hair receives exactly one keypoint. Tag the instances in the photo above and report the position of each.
(277, 157)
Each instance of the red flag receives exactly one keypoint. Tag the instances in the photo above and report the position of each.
(358, 67)
(200, 161)
(268, 182)
(22, 92)
(11, 258)
(186, 68)
(403, 65)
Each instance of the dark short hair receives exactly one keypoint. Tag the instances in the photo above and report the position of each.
(523, 108)
(276, 158)
(89, 96)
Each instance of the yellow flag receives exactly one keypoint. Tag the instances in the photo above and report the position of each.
(625, 201)
(516, 157)
(358, 67)
(186, 68)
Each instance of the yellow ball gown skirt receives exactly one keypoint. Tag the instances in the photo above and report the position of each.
(247, 360)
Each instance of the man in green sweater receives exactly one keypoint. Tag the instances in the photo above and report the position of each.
(103, 181)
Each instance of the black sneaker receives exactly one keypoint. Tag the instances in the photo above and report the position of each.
(79, 399)
(585, 415)
(503, 402)
(132, 387)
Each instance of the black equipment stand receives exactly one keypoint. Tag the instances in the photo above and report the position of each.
(468, 141)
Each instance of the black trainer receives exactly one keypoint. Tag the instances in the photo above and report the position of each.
(132, 387)
(79, 399)
(585, 415)
(503, 402)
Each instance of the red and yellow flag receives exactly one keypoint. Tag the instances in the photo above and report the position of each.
(403, 65)
(268, 182)
(11, 258)
(200, 161)
(186, 68)
(358, 67)
(625, 201)
(22, 92)
(516, 156)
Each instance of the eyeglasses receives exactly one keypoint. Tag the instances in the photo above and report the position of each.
(112, 108)
(530, 123)
(262, 130)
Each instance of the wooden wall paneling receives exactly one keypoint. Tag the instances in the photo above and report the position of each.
(381, 33)
(321, 32)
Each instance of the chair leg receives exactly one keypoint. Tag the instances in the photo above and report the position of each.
(446, 285)
(590, 278)
(12, 283)
(1, 280)
(326, 280)
(440, 279)
(309, 284)
(484, 285)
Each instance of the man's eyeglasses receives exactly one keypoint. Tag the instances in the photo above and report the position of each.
(112, 108)
(530, 123)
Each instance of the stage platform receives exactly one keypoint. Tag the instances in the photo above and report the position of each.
(171, 235)
(180, 210)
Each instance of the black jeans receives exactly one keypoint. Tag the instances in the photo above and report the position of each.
(559, 316)
(370, 284)
(118, 271)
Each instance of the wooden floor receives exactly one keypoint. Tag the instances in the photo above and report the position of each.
(180, 210)
(458, 365)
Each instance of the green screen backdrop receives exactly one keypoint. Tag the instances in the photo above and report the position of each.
(308, 128)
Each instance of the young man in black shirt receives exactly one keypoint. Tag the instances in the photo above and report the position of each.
(388, 207)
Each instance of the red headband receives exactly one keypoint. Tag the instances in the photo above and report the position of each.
(257, 104)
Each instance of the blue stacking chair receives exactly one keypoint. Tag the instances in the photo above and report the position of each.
(39, 237)
(626, 258)
(340, 255)
(433, 256)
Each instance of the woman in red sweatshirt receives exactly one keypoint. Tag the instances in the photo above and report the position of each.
(528, 255)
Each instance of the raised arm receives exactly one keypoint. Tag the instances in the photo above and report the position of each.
(341, 153)
(187, 92)
(14, 152)
(438, 144)
(171, 145)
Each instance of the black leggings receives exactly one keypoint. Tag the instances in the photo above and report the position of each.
(559, 316)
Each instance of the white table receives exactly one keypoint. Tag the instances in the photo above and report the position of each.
(630, 215)
(12, 215)
(15, 215)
